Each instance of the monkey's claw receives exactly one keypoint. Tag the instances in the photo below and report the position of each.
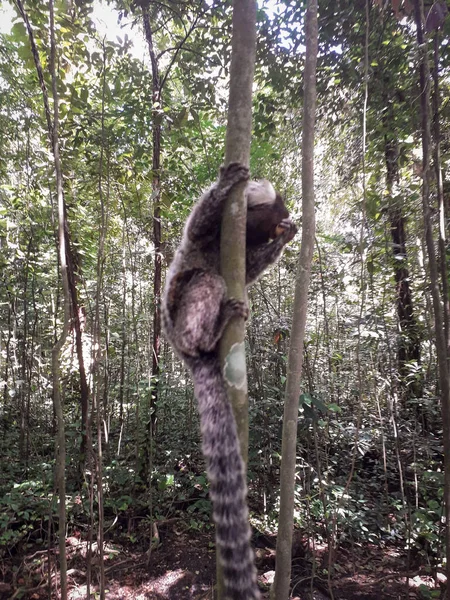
(237, 308)
(232, 174)
(289, 229)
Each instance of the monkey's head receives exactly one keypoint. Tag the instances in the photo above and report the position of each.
(267, 215)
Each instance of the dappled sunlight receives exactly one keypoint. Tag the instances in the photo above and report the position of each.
(114, 115)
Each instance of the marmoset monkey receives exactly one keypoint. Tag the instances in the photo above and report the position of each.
(195, 312)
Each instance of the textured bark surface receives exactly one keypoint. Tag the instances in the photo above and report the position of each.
(281, 585)
(238, 140)
(232, 251)
(409, 343)
(52, 127)
(441, 345)
(156, 187)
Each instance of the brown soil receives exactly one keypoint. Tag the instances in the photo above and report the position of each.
(182, 567)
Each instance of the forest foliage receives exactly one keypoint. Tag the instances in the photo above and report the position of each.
(370, 432)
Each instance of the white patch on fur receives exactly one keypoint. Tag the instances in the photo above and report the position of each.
(260, 192)
(234, 372)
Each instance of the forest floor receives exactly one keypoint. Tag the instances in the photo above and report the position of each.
(182, 567)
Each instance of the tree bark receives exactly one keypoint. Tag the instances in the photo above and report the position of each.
(156, 197)
(158, 81)
(69, 257)
(408, 345)
(408, 348)
(99, 390)
(237, 148)
(85, 443)
(52, 130)
(280, 588)
(23, 367)
(56, 351)
(441, 345)
(440, 192)
(233, 229)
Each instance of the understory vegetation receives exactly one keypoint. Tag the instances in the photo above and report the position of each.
(370, 458)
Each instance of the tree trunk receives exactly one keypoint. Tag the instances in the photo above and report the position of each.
(156, 197)
(52, 129)
(23, 367)
(440, 193)
(56, 352)
(280, 588)
(233, 229)
(69, 257)
(124, 337)
(77, 324)
(441, 346)
(98, 389)
(408, 348)
(237, 149)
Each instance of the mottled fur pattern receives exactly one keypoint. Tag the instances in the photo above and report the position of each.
(195, 312)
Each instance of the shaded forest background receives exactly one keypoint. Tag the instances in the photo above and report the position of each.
(140, 138)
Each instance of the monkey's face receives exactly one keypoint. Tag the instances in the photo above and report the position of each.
(266, 221)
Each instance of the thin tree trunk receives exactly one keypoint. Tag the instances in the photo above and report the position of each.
(23, 374)
(31, 359)
(56, 352)
(237, 149)
(408, 348)
(123, 339)
(85, 443)
(69, 259)
(330, 382)
(441, 342)
(97, 405)
(281, 584)
(156, 197)
(440, 193)
(8, 353)
(52, 129)
(233, 228)
(158, 81)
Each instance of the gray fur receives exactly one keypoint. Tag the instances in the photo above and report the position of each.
(261, 192)
(195, 312)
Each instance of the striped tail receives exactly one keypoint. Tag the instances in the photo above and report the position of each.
(226, 473)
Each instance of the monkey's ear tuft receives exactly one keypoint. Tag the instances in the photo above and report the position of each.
(260, 192)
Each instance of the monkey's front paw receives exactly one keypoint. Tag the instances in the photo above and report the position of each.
(233, 174)
(287, 229)
(237, 308)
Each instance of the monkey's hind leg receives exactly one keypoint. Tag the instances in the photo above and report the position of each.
(202, 313)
